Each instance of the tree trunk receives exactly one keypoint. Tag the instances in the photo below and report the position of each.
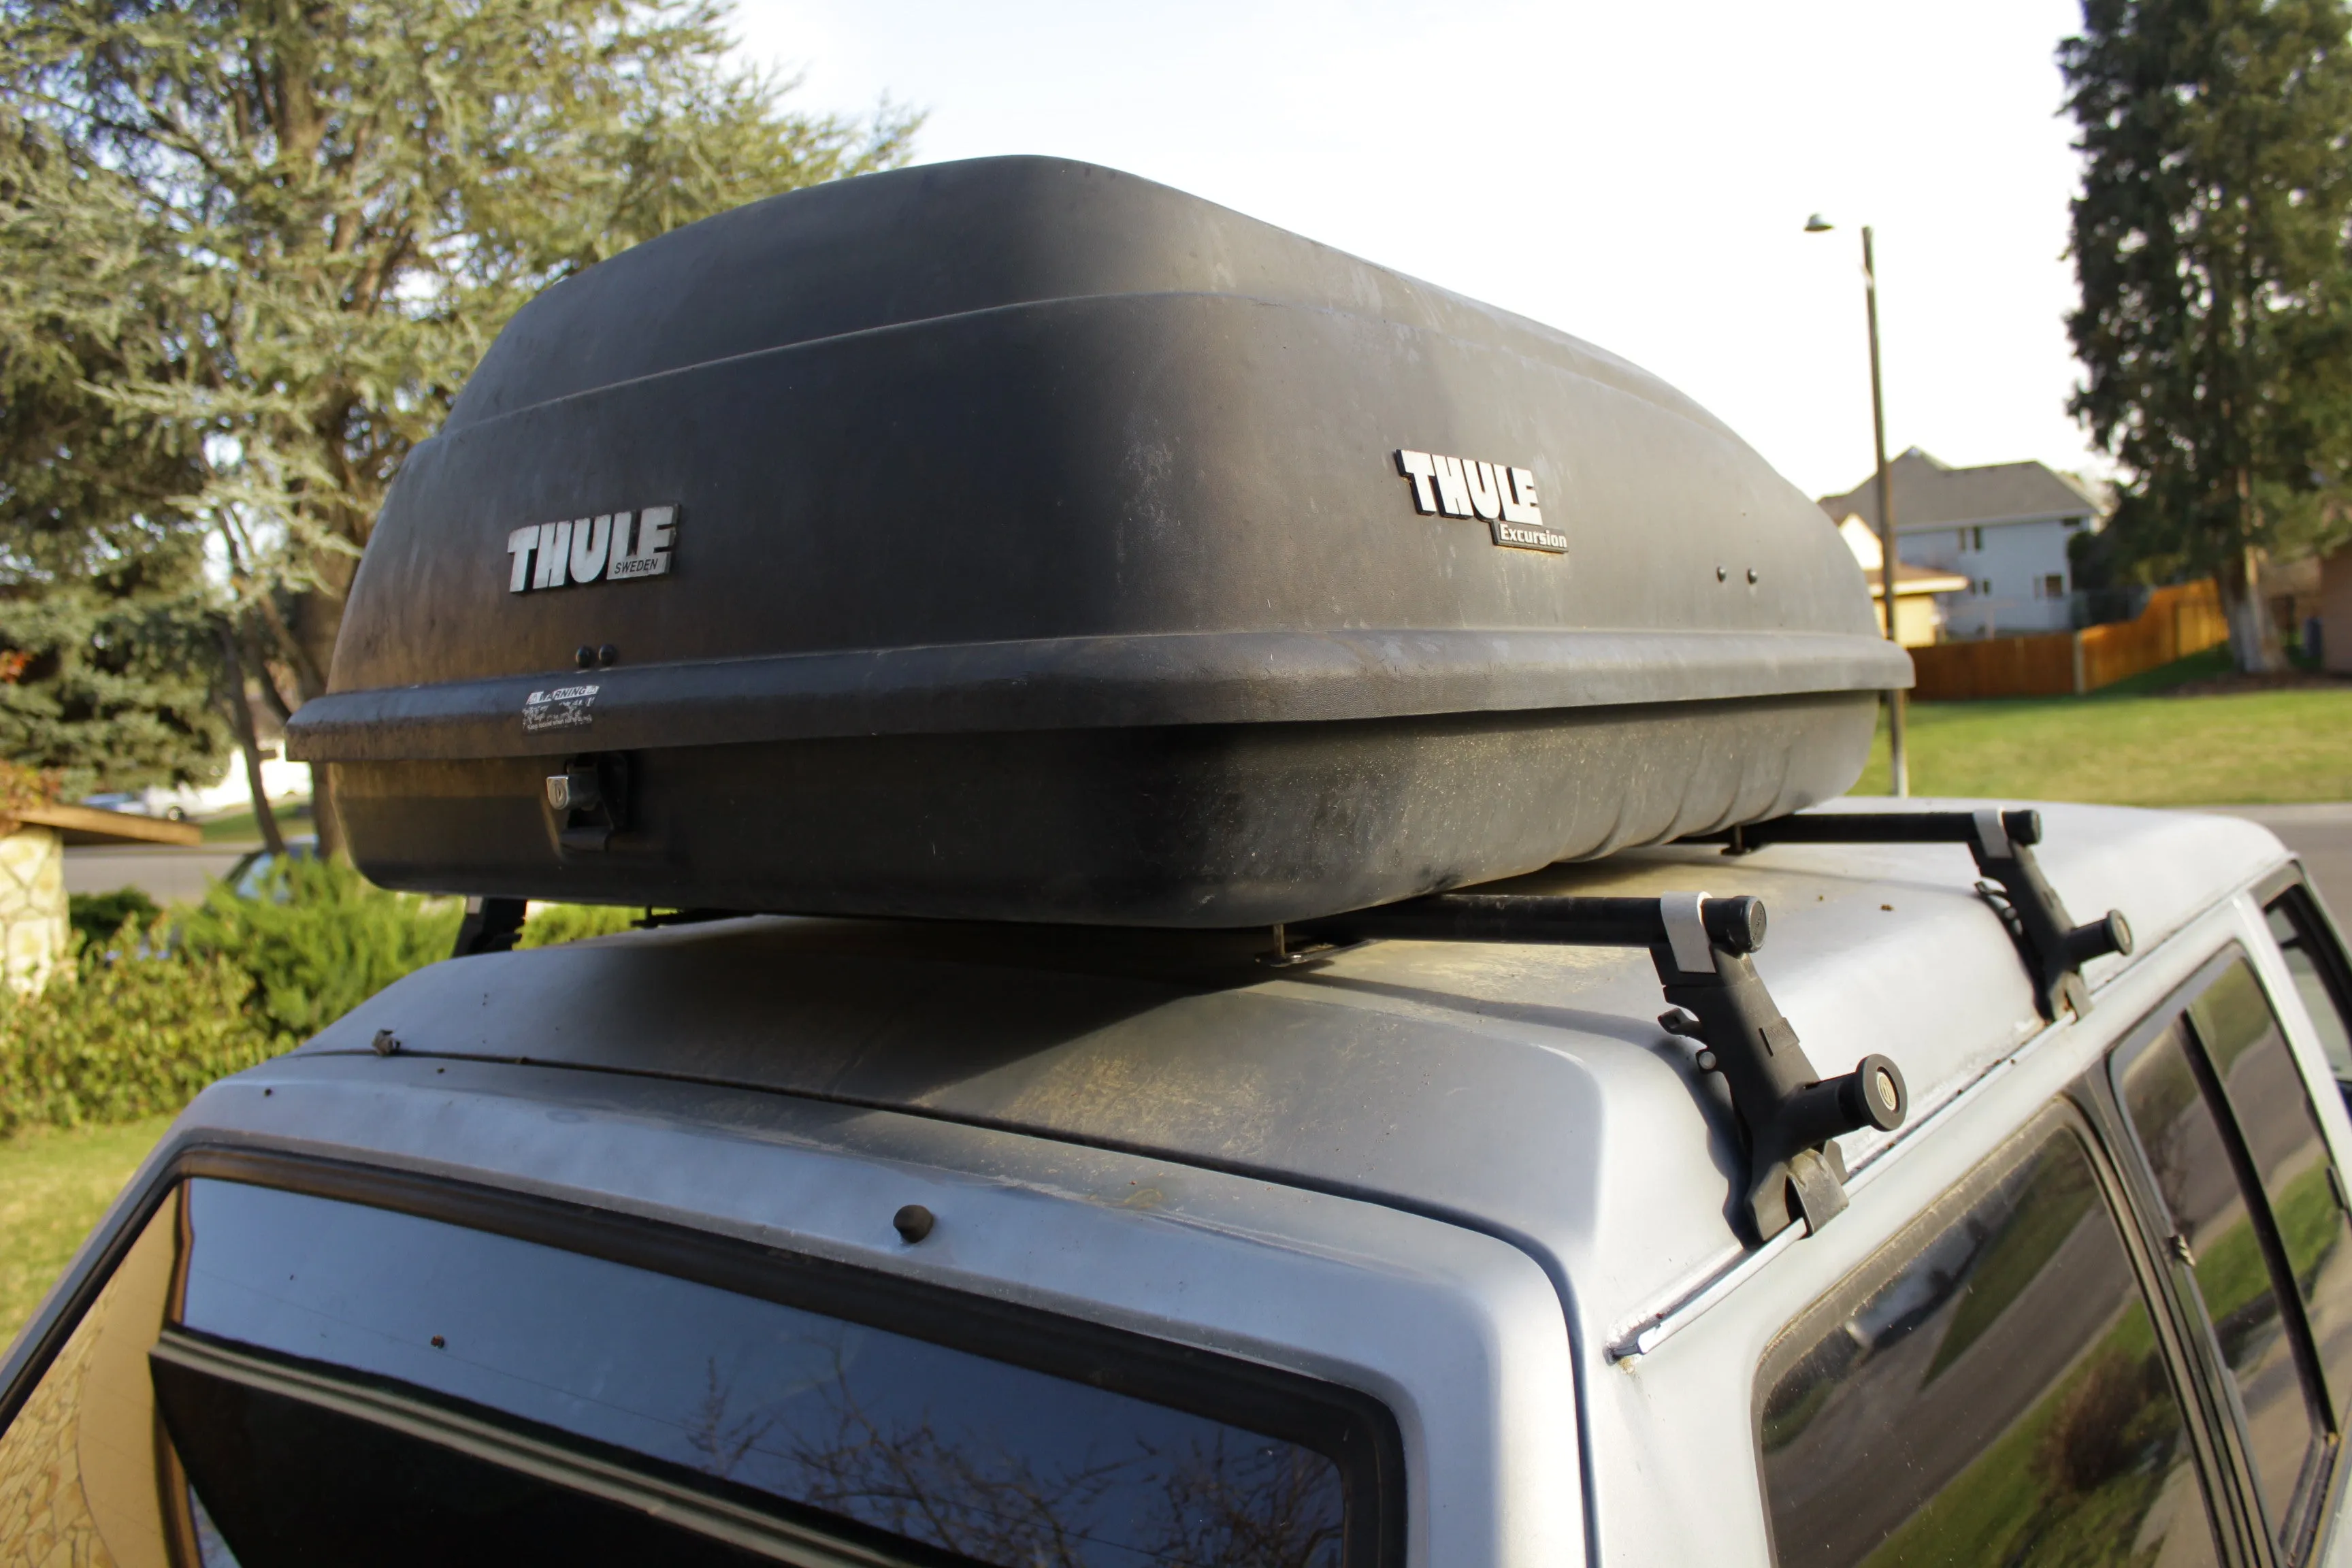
(2255, 644)
(241, 715)
(317, 618)
(323, 821)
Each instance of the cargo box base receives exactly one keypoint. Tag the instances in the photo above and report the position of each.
(1203, 826)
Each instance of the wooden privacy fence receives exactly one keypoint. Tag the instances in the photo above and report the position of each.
(2178, 622)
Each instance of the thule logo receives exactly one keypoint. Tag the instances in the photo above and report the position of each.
(614, 546)
(1496, 492)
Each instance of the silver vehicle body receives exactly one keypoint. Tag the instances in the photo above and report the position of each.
(1477, 1183)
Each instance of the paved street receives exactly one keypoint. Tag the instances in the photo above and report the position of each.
(167, 874)
(2321, 835)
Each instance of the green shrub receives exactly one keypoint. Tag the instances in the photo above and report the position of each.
(97, 917)
(553, 923)
(318, 939)
(126, 1037)
(157, 1006)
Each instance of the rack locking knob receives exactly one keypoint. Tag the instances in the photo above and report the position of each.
(1873, 1095)
(1734, 925)
(2099, 938)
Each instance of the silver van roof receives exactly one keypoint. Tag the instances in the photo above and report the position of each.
(1526, 1092)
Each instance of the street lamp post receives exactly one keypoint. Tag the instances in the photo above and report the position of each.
(1899, 765)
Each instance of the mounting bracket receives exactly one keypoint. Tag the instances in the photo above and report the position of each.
(1788, 1114)
(2053, 947)
(491, 925)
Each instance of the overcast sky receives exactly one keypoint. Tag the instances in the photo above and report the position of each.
(1636, 174)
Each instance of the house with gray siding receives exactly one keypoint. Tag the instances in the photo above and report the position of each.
(2003, 528)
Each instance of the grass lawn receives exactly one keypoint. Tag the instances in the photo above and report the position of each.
(53, 1186)
(2130, 744)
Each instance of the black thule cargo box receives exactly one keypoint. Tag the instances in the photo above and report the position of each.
(1020, 540)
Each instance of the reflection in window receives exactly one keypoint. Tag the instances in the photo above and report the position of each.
(2216, 1238)
(1987, 1390)
(825, 1417)
(81, 1476)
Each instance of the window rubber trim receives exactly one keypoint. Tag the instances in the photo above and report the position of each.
(1356, 1431)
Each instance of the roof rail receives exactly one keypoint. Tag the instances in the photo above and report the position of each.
(2053, 947)
(1788, 1115)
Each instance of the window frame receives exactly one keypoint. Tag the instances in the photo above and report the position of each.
(1355, 1430)
(2326, 1490)
(2323, 942)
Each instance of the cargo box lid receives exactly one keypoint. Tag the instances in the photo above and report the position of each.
(1021, 442)
(1021, 446)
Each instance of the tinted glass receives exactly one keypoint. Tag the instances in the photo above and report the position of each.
(2215, 1239)
(2294, 925)
(996, 1462)
(2267, 1097)
(1987, 1390)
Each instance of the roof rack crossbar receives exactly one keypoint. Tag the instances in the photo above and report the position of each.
(1788, 1114)
(2053, 947)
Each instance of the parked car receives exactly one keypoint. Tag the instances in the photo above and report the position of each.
(171, 805)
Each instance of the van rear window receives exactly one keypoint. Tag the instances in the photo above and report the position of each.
(349, 1382)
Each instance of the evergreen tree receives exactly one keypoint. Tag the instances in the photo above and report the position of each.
(110, 681)
(284, 230)
(103, 675)
(2216, 317)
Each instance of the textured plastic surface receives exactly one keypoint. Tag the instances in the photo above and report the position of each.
(1020, 540)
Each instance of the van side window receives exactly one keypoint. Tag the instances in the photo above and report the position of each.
(2317, 966)
(2217, 1246)
(1988, 1388)
(2288, 1155)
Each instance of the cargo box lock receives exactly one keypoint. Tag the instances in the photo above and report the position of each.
(587, 802)
(1789, 1118)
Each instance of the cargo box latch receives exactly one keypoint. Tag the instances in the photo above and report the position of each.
(588, 802)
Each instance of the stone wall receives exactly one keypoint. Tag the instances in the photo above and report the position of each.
(35, 938)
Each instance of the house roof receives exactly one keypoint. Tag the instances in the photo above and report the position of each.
(1931, 494)
(90, 824)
